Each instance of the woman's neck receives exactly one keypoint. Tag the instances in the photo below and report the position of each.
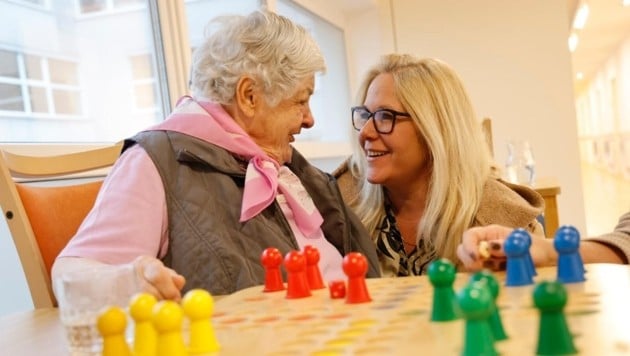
(408, 204)
(408, 208)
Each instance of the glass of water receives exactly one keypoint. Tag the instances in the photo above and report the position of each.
(82, 295)
(520, 166)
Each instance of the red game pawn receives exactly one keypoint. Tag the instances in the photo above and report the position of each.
(297, 285)
(355, 266)
(313, 274)
(271, 259)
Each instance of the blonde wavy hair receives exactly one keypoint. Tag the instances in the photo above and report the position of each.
(461, 162)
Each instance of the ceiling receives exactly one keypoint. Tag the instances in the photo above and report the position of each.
(608, 24)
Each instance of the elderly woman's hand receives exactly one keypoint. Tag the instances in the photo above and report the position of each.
(157, 279)
(482, 247)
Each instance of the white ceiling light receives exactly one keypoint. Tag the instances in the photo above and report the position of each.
(581, 15)
(573, 42)
(579, 76)
(626, 2)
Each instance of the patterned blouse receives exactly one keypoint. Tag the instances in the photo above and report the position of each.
(391, 250)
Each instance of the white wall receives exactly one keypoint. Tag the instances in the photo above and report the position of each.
(514, 60)
(15, 296)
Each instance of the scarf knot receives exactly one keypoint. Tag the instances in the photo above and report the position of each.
(261, 185)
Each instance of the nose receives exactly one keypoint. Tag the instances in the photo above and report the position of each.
(308, 120)
(368, 130)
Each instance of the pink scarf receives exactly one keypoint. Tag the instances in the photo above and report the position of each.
(261, 178)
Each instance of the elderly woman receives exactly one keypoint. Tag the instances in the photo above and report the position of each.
(198, 197)
(421, 172)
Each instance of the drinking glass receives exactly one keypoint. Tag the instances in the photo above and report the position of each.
(520, 166)
(82, 295)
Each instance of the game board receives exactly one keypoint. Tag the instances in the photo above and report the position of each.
(396, 321)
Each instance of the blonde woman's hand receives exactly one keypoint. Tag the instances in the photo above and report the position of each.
(477, 240)
(482, 247)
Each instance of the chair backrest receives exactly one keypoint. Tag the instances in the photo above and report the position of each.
(486, 126)
(44, 201)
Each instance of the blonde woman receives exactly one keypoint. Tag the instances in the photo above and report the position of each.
(421, 172)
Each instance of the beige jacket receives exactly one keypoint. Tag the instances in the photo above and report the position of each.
(619, 238)
(502, 203)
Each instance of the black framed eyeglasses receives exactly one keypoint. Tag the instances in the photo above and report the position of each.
(384, 119)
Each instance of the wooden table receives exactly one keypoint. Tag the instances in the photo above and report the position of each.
(597, 314)
(549, 188)
(33, 333)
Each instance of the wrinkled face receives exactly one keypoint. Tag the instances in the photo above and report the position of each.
(276, 126)
(399, 158)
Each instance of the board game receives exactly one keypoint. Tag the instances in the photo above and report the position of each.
(397, 320)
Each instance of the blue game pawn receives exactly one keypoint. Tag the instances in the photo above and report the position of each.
(518, 271)
(570, 266)
(575, 231)
(530, 261)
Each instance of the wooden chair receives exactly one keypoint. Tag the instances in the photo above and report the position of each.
(44, 201)
(486, 126)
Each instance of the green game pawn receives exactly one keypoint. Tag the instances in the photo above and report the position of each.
(554, 337)
(495, 318)
(475, 302)
(442, 275)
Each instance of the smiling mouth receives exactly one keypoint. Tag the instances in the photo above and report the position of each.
(374, 154)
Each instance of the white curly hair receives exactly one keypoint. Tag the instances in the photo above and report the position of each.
(275, 51)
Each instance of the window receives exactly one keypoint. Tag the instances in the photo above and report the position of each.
(35, 3)
(66, 78)
(74, 73)
(37, 85)
(104, 6)
(144, 82)
(200, 12)
(331, 102)
(87, 6)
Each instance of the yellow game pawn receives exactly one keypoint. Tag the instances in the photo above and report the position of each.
(145, 336)
(167, 320)
(198, 306)
(111, 324)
